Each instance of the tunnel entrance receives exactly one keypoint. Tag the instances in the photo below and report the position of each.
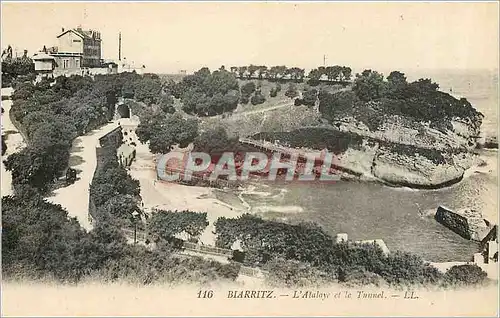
(123, 111)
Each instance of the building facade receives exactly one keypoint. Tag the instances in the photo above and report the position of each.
(44, 63)
(77, 49)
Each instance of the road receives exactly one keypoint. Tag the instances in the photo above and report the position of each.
(13, 139)
(75, 197)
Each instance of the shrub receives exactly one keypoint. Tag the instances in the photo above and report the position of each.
(257, 98)
(248, 89)
(244, 100)
(465, 275)
(291, 91)
(309, 97)
(293, 274)
(273, 92)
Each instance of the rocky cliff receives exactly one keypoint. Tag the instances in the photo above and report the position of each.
(408, 153)
(400, 152)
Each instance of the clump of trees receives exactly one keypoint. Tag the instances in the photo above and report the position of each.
(164, 225)
(163, 131)
(246, 91)
(51, 117)
(208, 93)
(17, 68)
(334, 74)
(40, 242)
(374, 97)
(257, 98)
(215, 141)
(309, 98)
(273, 73)
(53, 112)
(114, 193)
(38, 239)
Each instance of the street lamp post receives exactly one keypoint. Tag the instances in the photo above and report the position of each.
(135, 214)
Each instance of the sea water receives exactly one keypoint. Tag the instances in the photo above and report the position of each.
(402, 217)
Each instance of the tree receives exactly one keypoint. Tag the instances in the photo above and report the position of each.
(291, 91)
(148, 90)
(248, 89)
(209, 94)
(167, 104)
(165, 224)
(163, 132)
(241, 71)
(309, 97)
(120, 207)
(369, 85)
(251, 70)
(346, 73)
(262, 72)
(257, 98)
(468, 275)
(396, 85)
(333, 72)
(215, 141)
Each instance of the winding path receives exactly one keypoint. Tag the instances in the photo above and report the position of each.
(75, 197)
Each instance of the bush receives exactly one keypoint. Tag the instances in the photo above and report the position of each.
(468, 275)
(257, 98)
(248, 89)
(293, 274)
(273, 92)
(244, 100)
(4, 145)
(291, 91)
(310, 97)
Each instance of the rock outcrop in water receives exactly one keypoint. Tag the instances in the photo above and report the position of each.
(468, 223)
(490, 142)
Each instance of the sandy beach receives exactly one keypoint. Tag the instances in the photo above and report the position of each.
(172, 196)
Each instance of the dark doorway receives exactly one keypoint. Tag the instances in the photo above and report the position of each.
(123, 110)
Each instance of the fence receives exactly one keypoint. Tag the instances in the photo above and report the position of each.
(140, 235)
(251, 271)
(207, 249)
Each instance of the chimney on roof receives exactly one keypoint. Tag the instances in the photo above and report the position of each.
(62, 29)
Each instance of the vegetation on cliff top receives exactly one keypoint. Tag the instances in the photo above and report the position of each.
(373, 98)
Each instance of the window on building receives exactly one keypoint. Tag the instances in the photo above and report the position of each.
(77, 41)
(65, 63)
(77, 63)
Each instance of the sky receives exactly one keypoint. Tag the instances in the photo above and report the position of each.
(168, 37)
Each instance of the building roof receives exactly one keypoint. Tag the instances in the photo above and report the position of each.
(40, 56)
(79, 32)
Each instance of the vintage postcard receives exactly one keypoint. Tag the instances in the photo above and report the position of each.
(249, 158)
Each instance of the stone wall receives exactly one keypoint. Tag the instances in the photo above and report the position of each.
(453, 221)
(108, 145)
(466, 222)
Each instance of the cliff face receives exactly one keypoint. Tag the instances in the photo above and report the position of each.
(400, 152)
(407, 153)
